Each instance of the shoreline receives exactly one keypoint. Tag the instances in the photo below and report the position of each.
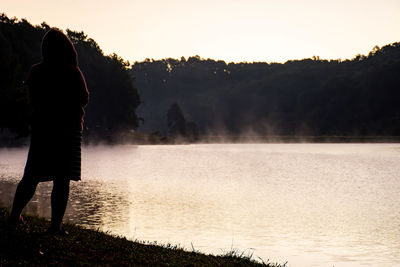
(31, 245)
(145, 139)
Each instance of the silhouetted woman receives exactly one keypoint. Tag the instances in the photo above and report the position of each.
(58, 95)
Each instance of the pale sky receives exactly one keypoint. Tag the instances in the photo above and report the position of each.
(231, 30)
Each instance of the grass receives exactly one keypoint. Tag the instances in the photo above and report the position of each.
(31, 245)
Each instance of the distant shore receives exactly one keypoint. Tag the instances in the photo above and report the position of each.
(31, 245)
(149, 139)
(152, 139)
(302, 139)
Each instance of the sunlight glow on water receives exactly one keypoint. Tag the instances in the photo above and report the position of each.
(309, 204)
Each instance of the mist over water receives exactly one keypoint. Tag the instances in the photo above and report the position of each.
(309, 204)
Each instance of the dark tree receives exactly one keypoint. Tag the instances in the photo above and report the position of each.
(113, 96)
(176, 121)
(355, 97)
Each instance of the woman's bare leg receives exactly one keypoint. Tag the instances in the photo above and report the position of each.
(25, 191)
(59, 199)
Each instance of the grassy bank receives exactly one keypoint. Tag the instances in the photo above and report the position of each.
(31, 245)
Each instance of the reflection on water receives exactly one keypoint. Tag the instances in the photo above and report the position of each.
(91, 204)
(309, 204)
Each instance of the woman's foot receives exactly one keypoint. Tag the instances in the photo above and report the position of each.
(57, 230)
(13, 222)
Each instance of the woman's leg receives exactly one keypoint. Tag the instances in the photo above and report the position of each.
(59, 199)
(25, 191)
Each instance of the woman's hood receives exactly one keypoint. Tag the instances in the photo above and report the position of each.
(58, 49)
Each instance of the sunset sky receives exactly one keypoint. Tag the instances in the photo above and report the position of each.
(231, 30)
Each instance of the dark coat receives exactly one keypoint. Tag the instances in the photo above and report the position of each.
(58, 95)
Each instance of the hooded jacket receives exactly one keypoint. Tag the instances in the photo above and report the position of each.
(57, 88)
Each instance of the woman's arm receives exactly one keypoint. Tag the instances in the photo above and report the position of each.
(83, 91)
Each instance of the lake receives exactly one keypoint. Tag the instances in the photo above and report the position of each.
(308, 204)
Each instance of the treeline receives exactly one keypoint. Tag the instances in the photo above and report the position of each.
(113, 96)
(202, 97)
(309, 97)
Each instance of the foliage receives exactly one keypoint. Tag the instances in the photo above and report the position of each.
(309, 97)
(178, 127)
(113, 96)
(176, 121)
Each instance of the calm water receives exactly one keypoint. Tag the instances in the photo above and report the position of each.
(309, 204)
